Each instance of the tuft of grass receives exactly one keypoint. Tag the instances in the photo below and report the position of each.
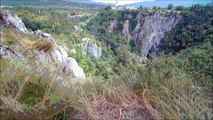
(43, 45)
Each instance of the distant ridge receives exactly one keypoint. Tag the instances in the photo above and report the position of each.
(165, 3)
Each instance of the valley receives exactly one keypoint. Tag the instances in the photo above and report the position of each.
(78, 61)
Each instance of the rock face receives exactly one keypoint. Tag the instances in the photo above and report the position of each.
(126, 29)
(7, 52)
(8, 19)
(151, 29)
(114, 26)
(91, 48)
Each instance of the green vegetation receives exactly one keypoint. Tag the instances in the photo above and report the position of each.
(161, 84)
(195, 28)
(121, 83)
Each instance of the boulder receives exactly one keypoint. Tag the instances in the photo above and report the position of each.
(42, 34)
(7, 19)
(71, 68)
(57, 54)
(91, 48)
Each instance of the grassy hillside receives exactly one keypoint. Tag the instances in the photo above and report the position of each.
(119, 85)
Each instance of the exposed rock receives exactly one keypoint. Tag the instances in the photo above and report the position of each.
(7, 52)
(126, 29)
(151, 29)
(78, 29)
(42, 57)
(71, 68)
(128, 16)
(7, 19)
(114, 26)
(58, 54)
(124, 8)
(91, 48)
(75, 16)
(41, 34)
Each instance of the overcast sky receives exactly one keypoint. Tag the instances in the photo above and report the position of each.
(121, 2)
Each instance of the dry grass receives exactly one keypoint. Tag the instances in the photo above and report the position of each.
(8, 37)
(37, 97)
(19, 41)
(43, 45)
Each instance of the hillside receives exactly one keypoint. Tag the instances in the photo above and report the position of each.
(52, 5)
(105, 63)
(165, 3)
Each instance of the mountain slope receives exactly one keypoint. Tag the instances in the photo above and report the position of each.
(119, 83)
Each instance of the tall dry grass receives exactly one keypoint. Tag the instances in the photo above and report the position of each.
(158, 90)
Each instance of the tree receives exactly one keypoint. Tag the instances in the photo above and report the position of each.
(170, 6)
(108, 8)
(179, 8)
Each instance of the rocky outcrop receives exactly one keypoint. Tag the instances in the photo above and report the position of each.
(59, 54)
(7, 52)
(71, 68)
(151, 29)
(41, 34)
(114, 26)
(126, 29)
(128, 16)
(7, 19)
(55, 59)
(75, 16)
(91, 48)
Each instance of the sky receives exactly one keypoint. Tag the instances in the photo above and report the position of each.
(121, 2)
